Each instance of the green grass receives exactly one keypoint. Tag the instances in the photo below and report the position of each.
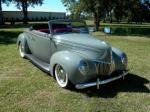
(25, 88)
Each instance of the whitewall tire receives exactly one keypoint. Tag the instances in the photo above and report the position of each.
(61, 76)
(21, 50)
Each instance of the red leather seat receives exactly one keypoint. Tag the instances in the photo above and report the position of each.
(44, 30)
(62, 30)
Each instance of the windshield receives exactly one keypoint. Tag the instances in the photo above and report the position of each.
(62, 27)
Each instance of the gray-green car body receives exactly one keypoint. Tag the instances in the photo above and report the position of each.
(82, 56)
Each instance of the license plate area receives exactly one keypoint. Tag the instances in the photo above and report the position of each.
(103, 68)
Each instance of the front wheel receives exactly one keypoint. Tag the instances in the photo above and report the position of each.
(21, 50)
(61, 77)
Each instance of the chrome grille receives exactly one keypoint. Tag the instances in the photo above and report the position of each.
(103, 68)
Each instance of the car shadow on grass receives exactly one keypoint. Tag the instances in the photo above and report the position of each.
(8, 37)
(131, 83)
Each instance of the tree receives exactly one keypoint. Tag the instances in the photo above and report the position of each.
(136, 11)
(74, 6)
(24, 4)
(146, 10)
(94, 7)
(1, 11)
(98, 8)
(119, 9)
(133, 10)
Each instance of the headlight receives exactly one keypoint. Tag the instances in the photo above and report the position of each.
(124, 59)
(83, 67)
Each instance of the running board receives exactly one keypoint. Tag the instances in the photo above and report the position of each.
(42, 65)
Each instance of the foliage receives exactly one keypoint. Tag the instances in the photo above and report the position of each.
(1, 13)
(132, 10)
(24, 4)
(98, 8)
(29, 3)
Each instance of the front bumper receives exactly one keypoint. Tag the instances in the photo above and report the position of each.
(100, 82)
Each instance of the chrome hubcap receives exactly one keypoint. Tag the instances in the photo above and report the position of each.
(61, 76)
(21, 50)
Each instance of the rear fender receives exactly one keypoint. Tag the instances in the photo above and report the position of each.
(22, 39)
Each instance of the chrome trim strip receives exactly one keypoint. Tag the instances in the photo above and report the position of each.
(100, 82)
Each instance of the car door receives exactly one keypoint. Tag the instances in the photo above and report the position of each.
(31, 41)
(41, 45)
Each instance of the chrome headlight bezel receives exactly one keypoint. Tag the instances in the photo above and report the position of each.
(83, 67)
(124, 59)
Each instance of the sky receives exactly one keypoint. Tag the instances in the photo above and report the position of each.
(48, 5)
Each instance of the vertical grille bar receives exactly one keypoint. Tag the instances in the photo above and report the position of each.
(104, 68)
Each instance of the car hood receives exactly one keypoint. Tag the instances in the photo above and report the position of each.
(85, 44)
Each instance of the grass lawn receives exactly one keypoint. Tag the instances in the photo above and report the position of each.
(25, 88)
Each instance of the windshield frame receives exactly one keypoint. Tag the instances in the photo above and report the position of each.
(63, 20)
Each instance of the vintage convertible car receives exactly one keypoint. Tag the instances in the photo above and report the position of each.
(66, 50)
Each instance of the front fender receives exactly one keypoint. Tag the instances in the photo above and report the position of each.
(117, 53)
(70, 62)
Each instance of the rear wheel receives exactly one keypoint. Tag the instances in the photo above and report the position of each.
(21, 50)
(61, 77)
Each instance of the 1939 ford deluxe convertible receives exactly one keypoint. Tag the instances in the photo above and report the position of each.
(66, 50)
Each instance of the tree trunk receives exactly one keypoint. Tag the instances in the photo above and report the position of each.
(1, 14)
(111, 20)
(95, 16)
(97, 19)
(25, 11)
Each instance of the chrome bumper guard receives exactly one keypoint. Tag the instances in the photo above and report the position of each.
(100, 82)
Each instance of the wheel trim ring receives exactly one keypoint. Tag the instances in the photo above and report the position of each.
(62, 80)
